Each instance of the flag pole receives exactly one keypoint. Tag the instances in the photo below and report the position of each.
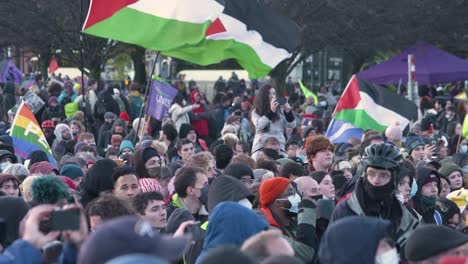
(143, 106)
(82, 68)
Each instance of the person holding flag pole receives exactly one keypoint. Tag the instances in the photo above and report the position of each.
(144, 105)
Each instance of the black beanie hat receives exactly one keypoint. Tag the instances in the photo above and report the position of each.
(148, 153)
(185, 129)
(431, 240)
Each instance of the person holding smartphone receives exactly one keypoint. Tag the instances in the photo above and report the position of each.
(271, 115)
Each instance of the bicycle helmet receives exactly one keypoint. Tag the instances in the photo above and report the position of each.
(382, 155)
(48, 124)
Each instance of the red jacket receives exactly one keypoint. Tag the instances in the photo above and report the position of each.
(200, 125)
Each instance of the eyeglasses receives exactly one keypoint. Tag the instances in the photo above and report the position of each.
(382, 175)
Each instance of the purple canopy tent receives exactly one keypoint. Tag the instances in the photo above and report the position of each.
(433, 66)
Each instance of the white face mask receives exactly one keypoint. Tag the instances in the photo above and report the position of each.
(294, 199)
(4, 165)
(246, 203)
(389, 257)
(463, 148)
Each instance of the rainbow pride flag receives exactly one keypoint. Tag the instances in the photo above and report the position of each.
(27, 134)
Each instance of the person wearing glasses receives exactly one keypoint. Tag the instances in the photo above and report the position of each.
(374, 194)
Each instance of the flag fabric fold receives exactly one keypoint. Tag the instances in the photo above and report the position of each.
(27, 134)
(308, 92)
(465, 127)
(10, 73)
(256, 36)
(160, 99)
(365, 106)
(153, 24)
(53, 66)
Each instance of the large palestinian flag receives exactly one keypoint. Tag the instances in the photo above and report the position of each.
(366, 106)
(256, 36)
(152, 24)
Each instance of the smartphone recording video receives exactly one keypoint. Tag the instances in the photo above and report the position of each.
(281, 101)
(65, 220)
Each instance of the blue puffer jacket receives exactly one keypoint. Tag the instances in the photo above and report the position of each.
(230, 224)
(23, 252)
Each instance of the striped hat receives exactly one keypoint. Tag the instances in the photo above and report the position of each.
(150, 185)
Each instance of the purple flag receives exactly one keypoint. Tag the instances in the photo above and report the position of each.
(160, 99)
(9, 72)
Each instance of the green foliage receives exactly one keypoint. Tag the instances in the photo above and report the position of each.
(119, 64)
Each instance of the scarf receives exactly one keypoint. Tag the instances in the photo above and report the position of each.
(388, 208)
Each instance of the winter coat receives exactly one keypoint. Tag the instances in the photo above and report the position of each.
(179, 216)
(301, 235)
(9, 99)
(176, 202)
(23, 251)
(352, 206)
(179, 115)
(265, 128)
(352, 240)
(230, 224)
(12, 211)
(135, 102)
(199, 116)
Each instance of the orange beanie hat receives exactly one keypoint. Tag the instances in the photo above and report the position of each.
(272, 189)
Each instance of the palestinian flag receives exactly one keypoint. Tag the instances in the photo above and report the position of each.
(153, 24)
(365, 106)
(256, 36)
(27, 134)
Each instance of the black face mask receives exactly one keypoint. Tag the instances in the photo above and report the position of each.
(379, 193)
(210, 180)
(316, 197)
(204, 195)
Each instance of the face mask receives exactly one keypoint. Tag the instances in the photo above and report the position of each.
(389, 257)
(317, 197)
(302, 157)
(154, 172)
(204, 195)
(294, 200)
(463, 148)
(414, 189)
(323, 103)
(447, 116)
(246, 203)
(4, 165)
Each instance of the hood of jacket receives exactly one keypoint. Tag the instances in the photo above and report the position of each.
(12, 211)
(177, 217)
(58, 131)
(192, 100)
(99, 178)
(227, 188)
(352, 239)
(231, 224)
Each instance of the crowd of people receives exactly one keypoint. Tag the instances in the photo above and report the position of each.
(247, 177)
